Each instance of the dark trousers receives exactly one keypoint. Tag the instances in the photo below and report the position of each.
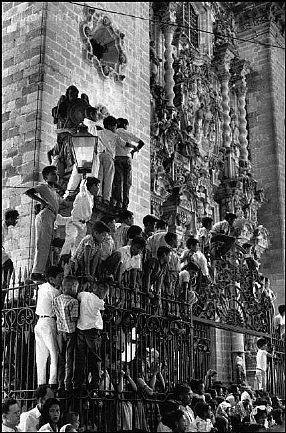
(67, 342)
(122, 180)
(7, 269)
(89, 339)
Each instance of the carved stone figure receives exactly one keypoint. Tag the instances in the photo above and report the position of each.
(68, 114)
(154, 64)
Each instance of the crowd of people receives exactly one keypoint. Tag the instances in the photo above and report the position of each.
(189, 407)
(97, 262)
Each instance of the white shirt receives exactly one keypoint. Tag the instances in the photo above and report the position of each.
(189, 414)
(46, 295)
(201, 425)
(89, 311)
(5, 428)
(47, 428)
(155, 241)
(109, 140)
(198, 258)
(163, 428)
(127, 137)
(29, 421)
(5, 256)
(127, 261)
(261, 359)
(49, 194)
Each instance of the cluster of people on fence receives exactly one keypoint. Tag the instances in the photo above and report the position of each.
(188, 407)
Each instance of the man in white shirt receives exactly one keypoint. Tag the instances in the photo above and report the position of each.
(261, 365)
(123, 178)
(109, 140)
(279, 321)
(45, 329)
(204, 235)
(10, 219)
(130, 258)
(223, 235)
(46, 194)
(183, 394)
(89, 325)
(75, 225)
(29, 421)
(192, 254)
(120, 235)
(10, 415)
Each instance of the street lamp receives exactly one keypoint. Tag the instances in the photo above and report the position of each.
(85, 147)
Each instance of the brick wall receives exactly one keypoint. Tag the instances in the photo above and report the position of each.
(27, 135)
(265, 106)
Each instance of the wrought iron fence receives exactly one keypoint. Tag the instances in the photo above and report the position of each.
(142, 334)
(148, 344)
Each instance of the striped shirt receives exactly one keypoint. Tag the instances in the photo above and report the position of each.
(66, 309)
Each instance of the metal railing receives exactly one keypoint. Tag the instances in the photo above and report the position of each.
(142, 333)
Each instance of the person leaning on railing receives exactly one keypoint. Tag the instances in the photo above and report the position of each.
(223, 235)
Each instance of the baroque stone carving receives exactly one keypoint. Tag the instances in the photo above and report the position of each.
(103, 44)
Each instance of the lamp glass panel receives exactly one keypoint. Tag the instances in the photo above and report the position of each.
(84, 148)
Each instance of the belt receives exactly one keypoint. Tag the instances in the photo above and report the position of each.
(50, 317)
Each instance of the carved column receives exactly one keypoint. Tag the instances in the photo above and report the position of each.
(168, 28)
(223, 58)
(241, 90)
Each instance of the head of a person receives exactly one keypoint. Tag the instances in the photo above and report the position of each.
(161, 225)
(11, 217)
(230, 217)
(72, 418)
(69, 285)
(163, 254)
(171, 239)
(99, 231)
(55, 276)
(101, 289)
(10, 412)
(197, 386)
(51, 411)
(261, 344)
(133, 231)
(137, 245)
(72, 93)
(43, 393)
(183, 393)
(127, 217)
(92, 185)
(178, 421)
(149, 222)
(281, 310)
(192, 244)
(260, 415)
(109, 221)
(207, 222)
(203, 410)
(110, 123)
(50, 174)
(122, 123)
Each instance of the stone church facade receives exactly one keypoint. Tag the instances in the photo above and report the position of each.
(209, 108)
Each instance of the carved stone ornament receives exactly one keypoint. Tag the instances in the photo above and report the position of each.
(102, 44)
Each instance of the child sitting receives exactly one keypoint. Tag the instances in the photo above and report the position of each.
(66, 310)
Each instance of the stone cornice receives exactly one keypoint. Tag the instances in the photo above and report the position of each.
(252, 14)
